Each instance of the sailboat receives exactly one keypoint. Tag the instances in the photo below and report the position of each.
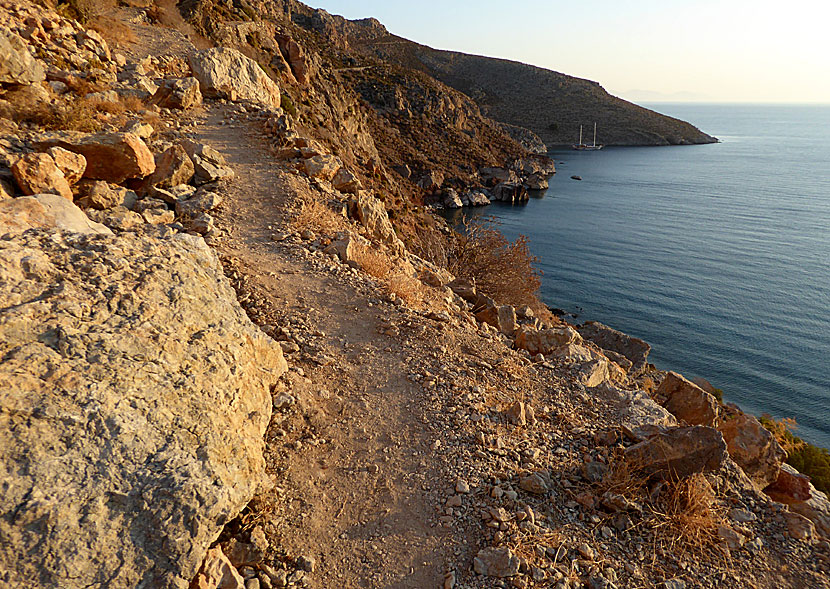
(585, 147)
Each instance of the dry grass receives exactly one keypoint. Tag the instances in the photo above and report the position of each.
(115, 32)
(317, 216)
(373, 262)
(686, 515)
(87, 115)
(412, 291)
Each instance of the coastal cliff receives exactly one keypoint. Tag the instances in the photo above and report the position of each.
(238, 351)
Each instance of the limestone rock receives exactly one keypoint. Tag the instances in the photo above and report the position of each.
(173, 167)
(202, 202)
(641, 417)
(496, 562)
(209, 164)
(632, 348)
(181, 93)
(816, 509)
(475, 198)
(679, 452)
(37, 173)
(134, 402)
(799, 527)
(346, 182)
(431, 181)
(321, 167)
(752, 447)
(226, 73)
(534, 483)
(545, 341)
(687, 401)
(536, 182)
(17, 66)
(452, 200)
(465, 288)
(6, 190)
(73, 165)
(371, 213)
(97, 194)
(516, 414)
(510, 192)
(113, 157)
(217, 572)
(346, 247)
(45, 211)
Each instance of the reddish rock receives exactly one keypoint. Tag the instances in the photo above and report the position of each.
(790, 486)
(679, 452)
(610, 340)
(687, 401)
(181, 93)
(113, 157)
(73, 165)
(37, 173)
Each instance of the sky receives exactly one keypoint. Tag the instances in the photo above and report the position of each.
(646, 50)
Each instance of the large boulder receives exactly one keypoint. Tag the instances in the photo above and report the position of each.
(226, 73)
(687, 401)
(45, 211)
(632, 348)
(790, 486)
(322, 167)
(37, 173)
(133, 401)
(678, 452)
(17, 66)
(113, 157)
(752, 447)
(640, 417)
(209, 164)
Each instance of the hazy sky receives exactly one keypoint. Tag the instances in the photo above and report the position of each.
(716, 50)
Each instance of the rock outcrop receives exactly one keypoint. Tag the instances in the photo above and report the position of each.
(133, 401)
(226, 73)
(45, 211)
(113, 157)
(687, 401)
(17, 66)
(609, 339)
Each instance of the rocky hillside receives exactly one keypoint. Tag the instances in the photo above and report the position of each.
(236, 352)
(551, 104)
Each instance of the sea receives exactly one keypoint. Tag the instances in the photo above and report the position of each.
(717, 255)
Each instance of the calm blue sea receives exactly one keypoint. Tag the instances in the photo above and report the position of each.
(717, 255)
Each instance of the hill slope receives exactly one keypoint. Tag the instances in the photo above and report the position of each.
(550, 104)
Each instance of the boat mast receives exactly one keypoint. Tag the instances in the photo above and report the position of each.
(580, 134)
(595, 135)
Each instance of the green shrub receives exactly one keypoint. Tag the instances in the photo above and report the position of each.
(802, 456)
(287, 105)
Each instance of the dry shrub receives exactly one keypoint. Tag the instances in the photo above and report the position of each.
(374, 263)
(115, 32)
(502, 269)
(84, 10)
(411, 290)
(686, 514)
(319, 217)
(78, 115)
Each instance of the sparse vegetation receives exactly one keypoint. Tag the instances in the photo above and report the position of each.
(803, 456)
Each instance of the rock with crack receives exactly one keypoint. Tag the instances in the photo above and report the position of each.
(173, 168)
(37, 173)
(73, 165)
(209, 164)
(133, 403)
(370, 212)
(321, 167)
(679, 452)
(17, 66)
(226, 73)
(752, 447)
(545, 341)
(632, 348)
(346, 182)
(640, 417)
(790, 486)
(687, 401)
(180, 93)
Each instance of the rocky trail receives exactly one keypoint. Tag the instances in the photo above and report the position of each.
(352, 468)
(207, 294)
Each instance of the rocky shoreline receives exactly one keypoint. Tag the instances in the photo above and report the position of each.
(225, 365)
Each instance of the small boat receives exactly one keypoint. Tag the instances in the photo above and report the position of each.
(584, 146)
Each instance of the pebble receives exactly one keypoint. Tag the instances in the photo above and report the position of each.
(462, 486)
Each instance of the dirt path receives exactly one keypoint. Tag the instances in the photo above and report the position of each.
(355, 487)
